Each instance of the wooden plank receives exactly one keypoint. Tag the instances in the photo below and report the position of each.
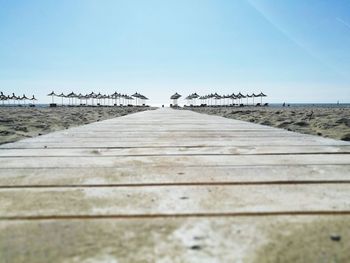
(171, 161)
(173, 200)
(174, 143)
(102, 131)
(175, 137)
(173, 151)
(155, 135)
(125, 129)
(196, 240)
(149, 175)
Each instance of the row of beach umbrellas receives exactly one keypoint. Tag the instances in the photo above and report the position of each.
(100, 99)
(220, 100)
(16, 100)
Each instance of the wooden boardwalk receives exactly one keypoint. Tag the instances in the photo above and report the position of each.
(171, 186)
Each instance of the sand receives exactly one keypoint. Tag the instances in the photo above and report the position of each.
(18, 123)
(327, 122)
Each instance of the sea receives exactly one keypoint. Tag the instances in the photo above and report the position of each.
(311, 105)
(274, 105)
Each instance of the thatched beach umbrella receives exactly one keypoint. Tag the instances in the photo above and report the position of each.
(3, 98)
(206, 97)
(136, 96)
(143, 98)
(109, 100)
(248, 96)
(86, 98)
(261, 95)
(223, 100)
(123, 98)
(128, 99)
(92, 96)
(233, 97)
(195, 96)
(210, 99)
(75, 98)
(119, 98)
(217, 98)
(14, 98)
(206, 100)
(175, 97)
(115, 96)
(254, 96)
(52, 94)
(71, 97)
(33, 99)
(24, 98)
(227, 99)
(240, 96)
(80, 97)
(61, 96)
(98, 97)
(19, 100)
(188, 98)
(105, 97)
(202, 98)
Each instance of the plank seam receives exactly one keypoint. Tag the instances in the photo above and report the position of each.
(246, 183)
(168, 146)
(184, 215)
(178, 154)
(187, 166)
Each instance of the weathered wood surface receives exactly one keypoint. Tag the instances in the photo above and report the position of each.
(171, 186)
(170, 200)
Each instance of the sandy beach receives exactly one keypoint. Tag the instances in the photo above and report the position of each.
(18, 123)
(322, 121)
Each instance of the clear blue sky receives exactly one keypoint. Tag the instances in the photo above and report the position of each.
(293, 50)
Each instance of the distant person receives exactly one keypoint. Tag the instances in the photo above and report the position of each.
(284, 104)
(163, 106)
